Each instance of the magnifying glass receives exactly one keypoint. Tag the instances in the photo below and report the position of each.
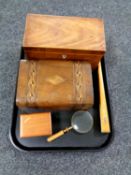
(81, 122)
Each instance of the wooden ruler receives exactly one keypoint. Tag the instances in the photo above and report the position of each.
(104, 116)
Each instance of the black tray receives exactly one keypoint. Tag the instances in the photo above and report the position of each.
(61, 119)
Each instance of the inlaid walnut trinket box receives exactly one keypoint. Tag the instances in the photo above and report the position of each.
(55, 84)
(64, 38)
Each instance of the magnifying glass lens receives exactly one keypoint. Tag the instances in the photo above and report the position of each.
(82, 121)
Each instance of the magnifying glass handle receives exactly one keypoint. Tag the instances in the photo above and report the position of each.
(58, 134)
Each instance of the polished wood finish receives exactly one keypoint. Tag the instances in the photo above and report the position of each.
(63, 37)
(34, 125)
(55, 84)
(58, 134)
(104, 116)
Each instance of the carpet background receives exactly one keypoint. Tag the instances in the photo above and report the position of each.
(116, 158)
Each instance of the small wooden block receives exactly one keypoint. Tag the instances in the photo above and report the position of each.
(33, 125)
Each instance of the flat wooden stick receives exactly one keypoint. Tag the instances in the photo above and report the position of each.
(104, 116)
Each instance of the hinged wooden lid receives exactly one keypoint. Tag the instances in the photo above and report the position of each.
(55, 84)
(49, 35)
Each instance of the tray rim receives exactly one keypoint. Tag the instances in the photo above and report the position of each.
(108, 141)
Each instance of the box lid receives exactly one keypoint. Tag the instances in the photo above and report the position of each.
(63, 32)
(55, 84)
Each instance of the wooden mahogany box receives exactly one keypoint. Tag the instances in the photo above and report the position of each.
(63, 37)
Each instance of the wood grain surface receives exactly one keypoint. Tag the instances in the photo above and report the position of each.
(104, 116)
(37, 124)
(55, 84)
(51, 37)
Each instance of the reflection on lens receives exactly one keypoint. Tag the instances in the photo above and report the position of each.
(82, 121)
